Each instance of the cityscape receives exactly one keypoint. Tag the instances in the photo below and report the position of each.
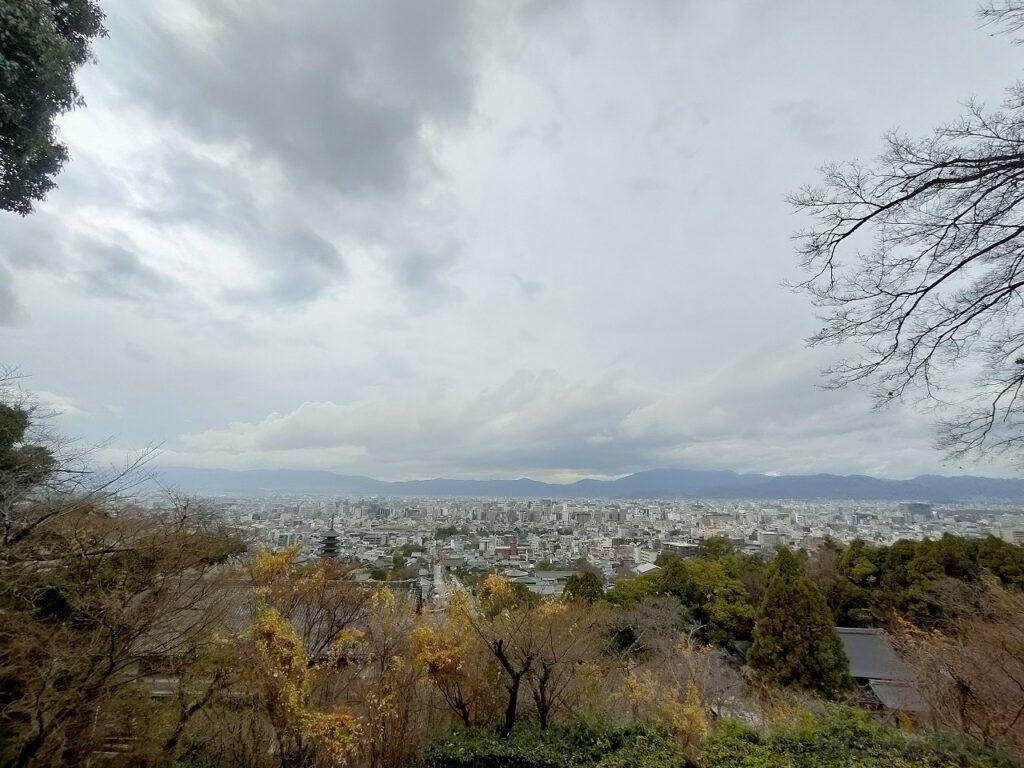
(539, 543)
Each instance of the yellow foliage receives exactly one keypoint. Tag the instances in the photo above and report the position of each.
(285, 666)
(552, 609)
(905, 721)
(347, 638)
(268, 566)
(679, 703)
(440, 652)
(688, 718)
(383, 600)
(338, 732)
(496, 587)
(640, 689)
(282, 655)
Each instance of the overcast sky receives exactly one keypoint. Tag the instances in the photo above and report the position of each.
(412, 239)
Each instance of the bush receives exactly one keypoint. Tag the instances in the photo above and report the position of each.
(842, 738)
(571, 747)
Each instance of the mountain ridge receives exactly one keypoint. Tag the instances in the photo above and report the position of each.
(655, 483)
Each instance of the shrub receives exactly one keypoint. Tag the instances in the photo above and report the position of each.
(841, 738)
(578, 746)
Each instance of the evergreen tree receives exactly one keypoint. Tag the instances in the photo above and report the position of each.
(583, 587)
(42, 44)
(795, 641)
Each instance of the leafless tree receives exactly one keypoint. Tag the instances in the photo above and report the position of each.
(918, 259)
(972, 675)
(1004, 15)
(45, 477)
(115, 590)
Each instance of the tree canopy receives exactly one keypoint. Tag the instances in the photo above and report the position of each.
(44, 43)
(795, 640)
(583, 587)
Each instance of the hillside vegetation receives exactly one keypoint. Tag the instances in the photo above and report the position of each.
(158, 638)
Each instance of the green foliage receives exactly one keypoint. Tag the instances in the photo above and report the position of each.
(631, 591)
(43, 43)
(841, 738)
(583, 587)
(713, 587)
(795, 641)
(572, 747)
(715, 547)
(21, 465)
(928, 582)
(399, 570)
(717, 600)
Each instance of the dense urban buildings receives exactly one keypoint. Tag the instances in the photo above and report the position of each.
(540, 542)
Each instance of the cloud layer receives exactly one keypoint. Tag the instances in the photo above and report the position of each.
(416, 238)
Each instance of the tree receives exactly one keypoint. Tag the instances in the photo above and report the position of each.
(92, 590)
(717, 601)
(282, 672)
(44, 43)
(795, 641)
(715, 547)
(95, 599)
(971, 675)
(583, 587)
(569, 640)
(918, 259)
(457, 666)
(679, 691)
(505, 624)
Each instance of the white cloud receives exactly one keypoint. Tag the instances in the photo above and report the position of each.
(61, 405)
(543, 425)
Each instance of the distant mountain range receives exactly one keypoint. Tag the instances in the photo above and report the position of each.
(653, 484)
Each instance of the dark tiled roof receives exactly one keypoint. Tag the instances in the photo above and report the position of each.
(872, 655)
(898, 695)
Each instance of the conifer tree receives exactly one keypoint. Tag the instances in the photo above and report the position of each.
(795, 640)
(583, 587)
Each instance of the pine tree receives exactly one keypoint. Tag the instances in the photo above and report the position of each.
(795, 641)
(583, 587)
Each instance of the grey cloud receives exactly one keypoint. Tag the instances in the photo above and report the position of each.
(182, 186)
(336, 94)
(297, 264)
(301, 267)
(31, 243)
(423, 278)
(269, 155)
(540, 422)
(528, 287)
(810, 122)
(114, 272)
(97, 264)
(11, 310)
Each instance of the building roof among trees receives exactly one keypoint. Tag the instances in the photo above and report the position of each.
(872, 655)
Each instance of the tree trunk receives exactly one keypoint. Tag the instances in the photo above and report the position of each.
(510, 708)
(540, 697)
